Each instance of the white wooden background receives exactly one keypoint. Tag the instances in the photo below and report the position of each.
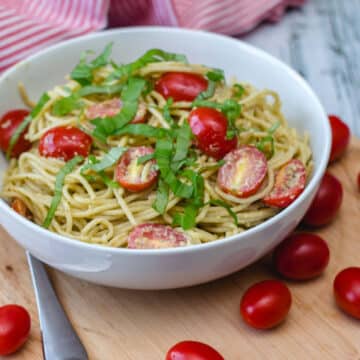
(322, 42)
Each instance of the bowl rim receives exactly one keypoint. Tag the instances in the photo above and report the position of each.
(314, 181)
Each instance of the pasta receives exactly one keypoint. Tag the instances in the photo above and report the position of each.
(92, 209)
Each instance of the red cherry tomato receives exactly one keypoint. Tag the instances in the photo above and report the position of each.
(8, 124)
(301, 256)
(192, 350)
(244, 171)
(326, 203)
(289, 184)
(156, 236)
(265, 304)
(181, 86)
(133, 176)
(65, 142)
(14, 328)
(340, 137)
(110, 108)
(209, 127)
(347, 291)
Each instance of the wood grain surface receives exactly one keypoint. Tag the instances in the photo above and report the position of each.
(321, 40)
(117, 324)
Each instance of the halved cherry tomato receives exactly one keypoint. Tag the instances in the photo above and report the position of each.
(133, 176)
(181, 86)
(244, 171)
(156, 236)
(192, 350)
(209, 127)
(15, 326)
(326, 203)
(340, 137)
(265, 304)
(347, 291)
(110, 108)
(289, 184)
(65, 142)
(19, 206)
(301, 256)
(9, 122)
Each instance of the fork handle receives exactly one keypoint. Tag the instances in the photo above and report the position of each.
(60, 341)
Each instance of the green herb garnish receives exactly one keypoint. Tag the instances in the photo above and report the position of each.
(227, 207)
(129, 97)
(238, 91)
(213, 76)
(162, 197)
(59, 184)
(268, 140)
(83, 71)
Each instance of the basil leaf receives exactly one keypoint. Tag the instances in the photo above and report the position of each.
(162, 197)
(268, 140)
(100, 89)
(108, 160)
(187, 220)
(238, 91)
(151, 56)
(183, 142)
(129, 96)
(143, 130)
(143, 159)
(166, 112)
(59, 184)
(213, 76)
(83, 72)
(66, 105)
(34, 112)
(227, 207)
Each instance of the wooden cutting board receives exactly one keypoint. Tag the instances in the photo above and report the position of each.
(137, 325)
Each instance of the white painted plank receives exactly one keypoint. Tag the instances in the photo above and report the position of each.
(322, 42)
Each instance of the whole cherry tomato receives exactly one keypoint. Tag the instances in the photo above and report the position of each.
(289, 184)
(133, 176)
(326, 203)
(65, 142)
(340, 137)
(301, 256)
(181, 86)
(244, 171)
(209, 127)
(14, 328)
(9, 122)
(265, 304)
(192, 350)
(347, 291)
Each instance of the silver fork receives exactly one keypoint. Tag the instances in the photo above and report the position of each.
(60, 341)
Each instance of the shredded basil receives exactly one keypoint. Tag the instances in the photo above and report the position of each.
(151, 56)
(213, 76)
(100, 89)
(35, 111)
(143, 130)
(83, 71)
(143, 159)
(162, 197)
(268, 140)
(183, 142)
(129, 97)
(238, 91)
(227, 207)
(59, 183)
(186, 220)
(66, 105)
(166, 112)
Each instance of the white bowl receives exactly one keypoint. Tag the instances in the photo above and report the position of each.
(176, 267)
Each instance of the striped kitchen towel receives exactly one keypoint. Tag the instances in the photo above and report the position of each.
(29, 25)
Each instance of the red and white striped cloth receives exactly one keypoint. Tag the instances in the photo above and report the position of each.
(29, 25)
